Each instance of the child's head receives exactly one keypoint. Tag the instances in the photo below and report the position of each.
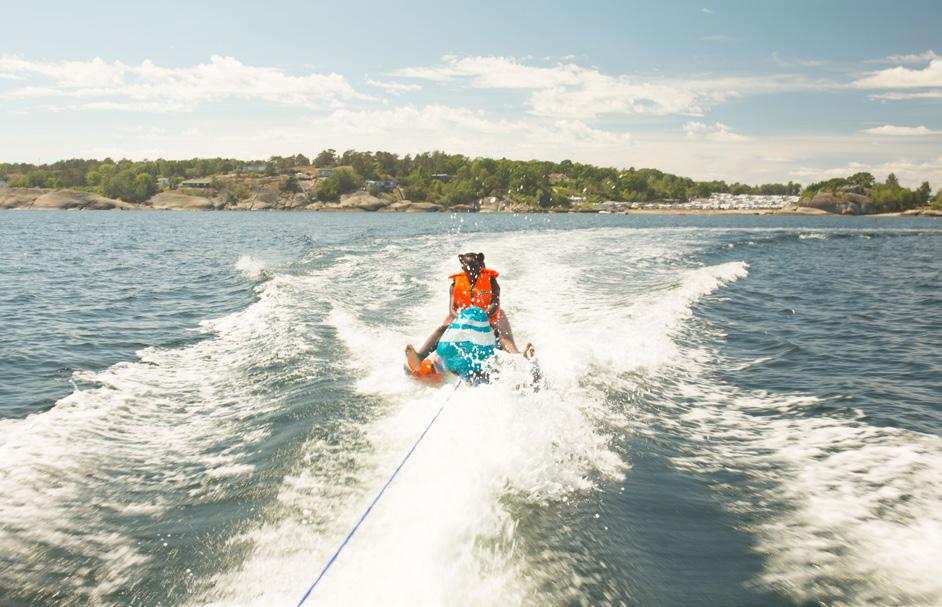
(471, 262)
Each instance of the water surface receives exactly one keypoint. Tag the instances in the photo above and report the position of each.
(194, 408)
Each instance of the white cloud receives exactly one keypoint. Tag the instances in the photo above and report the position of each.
(706, 11)
(564, 90)
(153, 107)
(434, 118)
(569, 91)
(913, 58)
(903, 77)
(449, 121)
(790, 62)
(714, 132)
(497, 72)
(394, 88)
(901, 131)
(605, 95)
(901, 96)
(575, 131)
(413, 128)
(716, 38)
(149, 87)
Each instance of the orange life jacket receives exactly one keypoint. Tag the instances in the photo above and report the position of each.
(480, 295)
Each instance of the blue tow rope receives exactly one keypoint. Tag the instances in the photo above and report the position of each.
(378, 495)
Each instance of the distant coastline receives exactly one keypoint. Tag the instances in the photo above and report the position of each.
(431, 182)
(42, 199)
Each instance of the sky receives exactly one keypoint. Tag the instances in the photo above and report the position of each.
(744, 91)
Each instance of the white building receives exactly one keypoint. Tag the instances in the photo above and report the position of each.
(723, 202)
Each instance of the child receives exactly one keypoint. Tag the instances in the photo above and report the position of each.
(477, 287)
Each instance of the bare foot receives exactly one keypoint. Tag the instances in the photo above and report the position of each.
(412, 358)
(529, 351)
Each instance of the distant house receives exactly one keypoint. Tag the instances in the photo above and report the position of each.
(197, 184)
(441, 177)
(303, 176)
(3, 183)
(254, 168)
(163, 182)
(384, 185)
(557, 177)
(328, 171)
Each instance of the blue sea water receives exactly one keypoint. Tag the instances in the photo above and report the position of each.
(741, 410)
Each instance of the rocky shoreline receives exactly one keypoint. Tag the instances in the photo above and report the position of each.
(71, 200)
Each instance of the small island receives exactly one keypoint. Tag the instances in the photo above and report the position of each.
(430, 182)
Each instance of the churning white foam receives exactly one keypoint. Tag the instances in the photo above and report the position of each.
(252, 267)
(837, 504)
(155, 433)
(444, 533)
(843, 511)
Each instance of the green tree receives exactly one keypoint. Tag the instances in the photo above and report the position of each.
(341, 181)
(416, 187)
(108, 170)
(120, 186)
(326, 158)
(459, 191)
(937, 201)
(864, 180)
(37, 179)
(144, 187)
(922, 194)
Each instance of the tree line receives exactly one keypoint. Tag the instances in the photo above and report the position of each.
(451, 179)
(447, 179)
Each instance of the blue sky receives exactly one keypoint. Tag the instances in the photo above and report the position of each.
(749, 91)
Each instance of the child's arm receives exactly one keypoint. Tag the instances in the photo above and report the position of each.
(495, 297)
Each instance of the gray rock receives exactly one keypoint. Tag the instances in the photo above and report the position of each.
(407, 206)
(39, 198)
(462, 208)
(70, 199)
(180, 202)
(362, 201)
(424, 207)
(841, 203)
(864, 203)
(19, 198)
(922, 212)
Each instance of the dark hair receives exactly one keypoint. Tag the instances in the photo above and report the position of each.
(478, 257)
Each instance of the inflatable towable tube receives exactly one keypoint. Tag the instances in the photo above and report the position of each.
(465, 349)
(468, 344)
